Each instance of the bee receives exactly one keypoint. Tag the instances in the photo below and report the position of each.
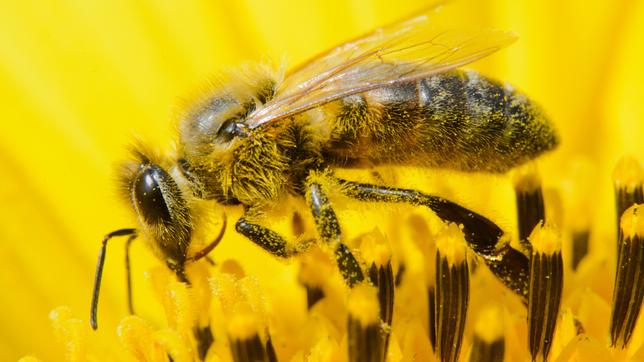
(395, 96)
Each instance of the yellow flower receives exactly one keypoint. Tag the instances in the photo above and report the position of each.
(79, 78)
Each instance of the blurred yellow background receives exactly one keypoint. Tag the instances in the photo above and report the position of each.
(79, 79)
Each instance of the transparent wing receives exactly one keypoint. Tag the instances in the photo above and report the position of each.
(401, 52)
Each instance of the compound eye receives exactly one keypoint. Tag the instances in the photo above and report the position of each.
(147, 193)
(227, 131)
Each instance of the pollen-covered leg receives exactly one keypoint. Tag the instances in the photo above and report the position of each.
(329, 231)
(482, 235)
(268, 239)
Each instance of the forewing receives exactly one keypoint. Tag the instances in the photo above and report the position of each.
(402, 52)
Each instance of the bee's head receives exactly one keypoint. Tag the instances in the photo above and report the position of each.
(165, 218)
(160, 206)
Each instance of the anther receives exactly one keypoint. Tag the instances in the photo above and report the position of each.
(451, 293)
(245, 342)
(546, 284)
(489, 341)
(628, 179)
(529, 199)
(366, 337)
(629, 279)
(315, 269)
(579, 191)
(580, 240)
(377, 255)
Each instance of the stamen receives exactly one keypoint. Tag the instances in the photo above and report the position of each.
(137, 337)
(530, 205)
(297, 224)
(201, 294)
(629, 279)
(245, 342)
(431, 301)
(365, 335)
(580, 241)
(546, 284)
(315, 268)
(70, 332)
(452, 292)
(177, 302)
(628, 178)
(579, 190)
(489, 341)
(377, 255)
(174, 345)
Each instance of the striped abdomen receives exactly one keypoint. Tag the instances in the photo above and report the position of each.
(457, 120)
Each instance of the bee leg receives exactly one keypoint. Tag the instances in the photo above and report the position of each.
(266, 238)
(98, 277)
(329, 231)
(483, 236)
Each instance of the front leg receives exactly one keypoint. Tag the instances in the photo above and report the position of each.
(266, 238)
(327, 225)
(481, 234)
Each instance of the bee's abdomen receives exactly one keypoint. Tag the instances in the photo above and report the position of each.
(457, 120)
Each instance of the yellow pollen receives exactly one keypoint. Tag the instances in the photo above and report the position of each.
(628, 174)
(632, 222)
(375, 248)
(363, 304)
(545, 239)
(243, 324)
(71, 332)
(450, 242)
(137, 337)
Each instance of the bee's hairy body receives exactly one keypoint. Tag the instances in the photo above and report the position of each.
(457, 120)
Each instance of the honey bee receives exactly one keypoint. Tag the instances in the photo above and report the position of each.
(392, 97)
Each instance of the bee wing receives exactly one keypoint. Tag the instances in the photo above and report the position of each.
(404, 51)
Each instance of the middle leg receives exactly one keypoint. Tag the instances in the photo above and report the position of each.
(329, 230)
(327, 227)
